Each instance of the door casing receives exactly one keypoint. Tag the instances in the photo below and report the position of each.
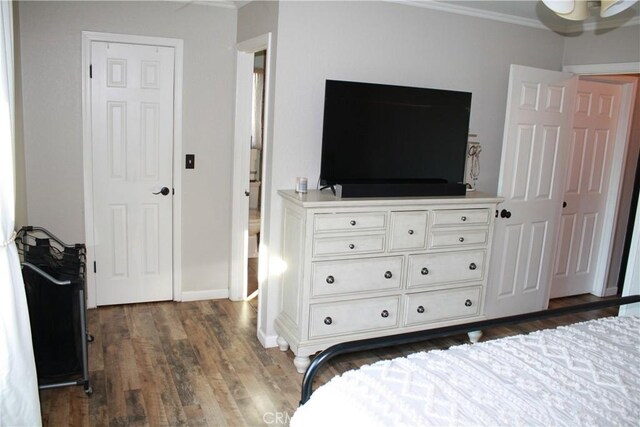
(87, 38)
(615, 179)
(629, 91)
(241, 158)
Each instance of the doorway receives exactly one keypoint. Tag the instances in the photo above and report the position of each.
(533, 173)
(256, 165)
(587, 223)
(251, 149)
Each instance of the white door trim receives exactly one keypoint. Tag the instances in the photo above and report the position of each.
(87, 38)
(592, 69)
(240, 213)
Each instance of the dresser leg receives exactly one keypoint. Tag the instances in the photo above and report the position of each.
(301, 363)
(474, 336)
(283, 345)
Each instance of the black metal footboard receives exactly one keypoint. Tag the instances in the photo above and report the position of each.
(413, 337)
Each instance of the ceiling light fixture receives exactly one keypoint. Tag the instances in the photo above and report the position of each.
(578, 10)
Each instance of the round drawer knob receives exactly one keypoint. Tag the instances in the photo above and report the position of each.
(420, 309)
(461, 239)
(424, 271)
(464, 218)
(328, 320)
(384, 313)
(468, 303)
(410, 231)
(472, 266)
(352, 222)
(388, 275)
(330, 279)
(352, 246)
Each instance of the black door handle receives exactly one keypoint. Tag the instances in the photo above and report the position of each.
(505, 214)
(164, 191)
(564, 204)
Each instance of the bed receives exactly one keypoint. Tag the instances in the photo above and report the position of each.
(582, 374)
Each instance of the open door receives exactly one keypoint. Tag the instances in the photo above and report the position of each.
(532, 174)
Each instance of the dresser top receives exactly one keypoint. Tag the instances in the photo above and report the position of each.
(325, 199)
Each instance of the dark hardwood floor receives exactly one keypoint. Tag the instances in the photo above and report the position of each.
(200, 363)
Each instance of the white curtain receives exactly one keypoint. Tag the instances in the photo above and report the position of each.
(19, 401)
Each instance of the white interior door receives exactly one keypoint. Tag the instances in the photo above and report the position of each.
(241, 158)
(595, 122)
(132, 144)
(534, 155)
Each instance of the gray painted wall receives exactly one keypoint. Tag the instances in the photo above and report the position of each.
(313, 41)
(50, 45)
(610, 46)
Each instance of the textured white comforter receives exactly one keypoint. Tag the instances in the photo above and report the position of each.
(584, 374)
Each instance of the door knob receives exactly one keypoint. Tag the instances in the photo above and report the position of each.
(164, 191)
(246, 193)
(505, 213)
(564, 204)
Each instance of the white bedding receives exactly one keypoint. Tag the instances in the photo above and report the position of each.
(584, 374)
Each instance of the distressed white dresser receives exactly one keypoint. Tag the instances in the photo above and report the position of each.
(362, 268)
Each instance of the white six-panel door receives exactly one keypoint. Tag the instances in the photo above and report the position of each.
(132, 144)
(534, 155)
(586, 187)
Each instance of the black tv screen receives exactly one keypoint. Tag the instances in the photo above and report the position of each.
(383, 133)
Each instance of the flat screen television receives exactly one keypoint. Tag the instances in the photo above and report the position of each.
(394, 135)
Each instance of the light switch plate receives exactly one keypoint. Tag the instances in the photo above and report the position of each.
(190, 162)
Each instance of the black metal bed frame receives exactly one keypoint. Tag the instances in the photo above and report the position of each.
(425, 335)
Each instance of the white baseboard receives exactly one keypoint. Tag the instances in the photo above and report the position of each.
(267, 341)
(204, 295)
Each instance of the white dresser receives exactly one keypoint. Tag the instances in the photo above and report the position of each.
(363, 268)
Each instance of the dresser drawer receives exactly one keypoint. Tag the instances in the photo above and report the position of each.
(408, 230)
(355, 275)
(357, 221)
(434, 306)
(348, 245)
(445, 267)
(447, 217)
(459, 238)
(346, 317)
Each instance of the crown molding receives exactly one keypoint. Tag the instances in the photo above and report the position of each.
(225, 4)
(470, 11)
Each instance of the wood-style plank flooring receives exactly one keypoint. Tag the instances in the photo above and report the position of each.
(200, 363)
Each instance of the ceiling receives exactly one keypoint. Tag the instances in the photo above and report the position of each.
(530, 13)
(537, 13)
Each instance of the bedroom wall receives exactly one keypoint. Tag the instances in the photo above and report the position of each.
(19, 160)
(396, 44)
(50, 45)
(609, 46)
